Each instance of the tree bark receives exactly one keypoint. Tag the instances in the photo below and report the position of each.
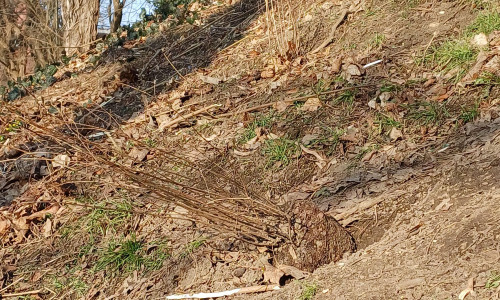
(80, 18)
(117, 14)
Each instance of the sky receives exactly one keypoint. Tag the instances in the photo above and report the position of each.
(131, 11)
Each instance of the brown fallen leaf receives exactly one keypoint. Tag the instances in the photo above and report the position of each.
(293, 271)
(41, 214)
(268, 73)
(138, 154)
(47, 228)
(272, 274)
(253, 54)
(321, 161)
(281, 106)
(395, 134)
(4, 226)
(312, 104)
(336, 65)
(241, 153)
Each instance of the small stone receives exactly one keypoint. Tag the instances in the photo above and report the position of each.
(239, 272)
(385, 96)
(353, 70)
(480, 40)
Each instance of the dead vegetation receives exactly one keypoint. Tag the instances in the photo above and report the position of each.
(221, 155)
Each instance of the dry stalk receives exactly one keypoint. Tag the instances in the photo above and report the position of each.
(236, 212)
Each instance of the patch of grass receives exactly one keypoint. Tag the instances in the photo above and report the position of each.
(321, 86)
(485, 23)
(108, 216)
(192, 247)
(279, 150)
(429, 112)
(151, 143)
(385, 123)
(121, 256)
(469, 114)
(494, 280)
(347, 97)
(487, 78)
(158, 253)
(264, 121)
(377, 40)
(453, 54)
(389, 87)
(309, 290)
(329, 137)
(74, 283)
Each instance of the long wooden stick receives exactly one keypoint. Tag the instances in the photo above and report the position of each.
(330, 38)
(21, 294)
(185, 117)
(301, 98)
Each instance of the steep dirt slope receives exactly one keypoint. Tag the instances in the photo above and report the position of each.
(404, 153)
(443, 232)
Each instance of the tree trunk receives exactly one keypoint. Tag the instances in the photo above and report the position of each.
(117, 14)
(80, 18)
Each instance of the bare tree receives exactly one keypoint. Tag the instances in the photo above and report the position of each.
(79, 18)
(115, 19)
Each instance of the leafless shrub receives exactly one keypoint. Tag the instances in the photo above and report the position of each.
(282, 18)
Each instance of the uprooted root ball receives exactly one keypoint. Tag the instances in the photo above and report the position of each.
(317, 239)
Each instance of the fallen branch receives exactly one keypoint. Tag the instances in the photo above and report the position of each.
(21, 294)
(245, 290)
(330, 38)
(302, 98)
(185, 117)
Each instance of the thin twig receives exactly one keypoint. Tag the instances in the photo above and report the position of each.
(178, 73)
(21, 294)
(185, 117)
(330, 38)
(13, 283)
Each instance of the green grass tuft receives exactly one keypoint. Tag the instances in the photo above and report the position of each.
(108, 216)
(121, 256)
(308, 291)
(494, 281)
(346, 97)
(385, 123)
(453, 54)
(280, 150)
(485, 23)
(469, 114)
(329, 138)
(429, 112)
(192, 247)
(264, 121)
(377, 40)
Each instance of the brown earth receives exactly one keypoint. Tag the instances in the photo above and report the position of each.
(422, 205)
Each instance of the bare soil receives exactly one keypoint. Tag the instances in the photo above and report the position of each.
(422, 206)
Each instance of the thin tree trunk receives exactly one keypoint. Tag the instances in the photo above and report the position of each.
(80, 18)
(117, 14)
